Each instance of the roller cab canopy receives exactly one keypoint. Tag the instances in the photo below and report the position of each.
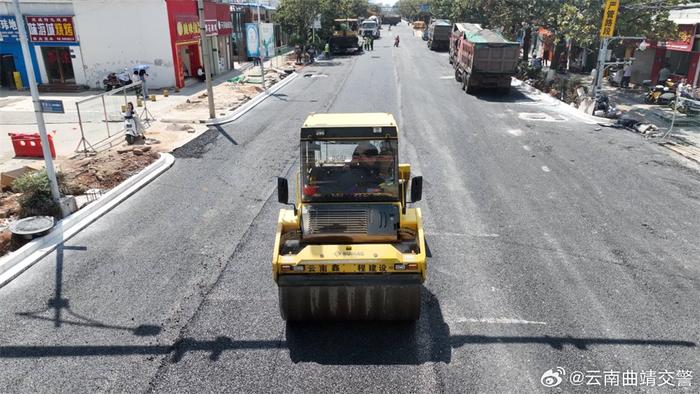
(350, 125)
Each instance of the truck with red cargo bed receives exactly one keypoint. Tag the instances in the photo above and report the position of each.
(482, 58)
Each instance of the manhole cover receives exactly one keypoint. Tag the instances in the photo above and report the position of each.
(376, 57)
(32, 226)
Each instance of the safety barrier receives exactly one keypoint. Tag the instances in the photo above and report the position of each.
(29, 145)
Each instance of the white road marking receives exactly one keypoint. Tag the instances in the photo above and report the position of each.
(545, 169)
(541, 116)
(515, 132)
(447, 77)
(527, 148)
(450, 234)
(499, 320)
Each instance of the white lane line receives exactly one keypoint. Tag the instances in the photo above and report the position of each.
(447, 77)
(527, 148)
(499, 320)
(515, 132)
(545, 169)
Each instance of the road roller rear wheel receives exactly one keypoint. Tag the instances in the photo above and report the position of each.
(393, 303)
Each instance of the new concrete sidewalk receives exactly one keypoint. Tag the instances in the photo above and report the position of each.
(631, 102)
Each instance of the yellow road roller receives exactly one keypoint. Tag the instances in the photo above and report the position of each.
(350, 248)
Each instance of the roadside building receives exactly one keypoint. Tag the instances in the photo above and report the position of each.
(12, 69)
(75, 44)
(54, 45)
(681, 54)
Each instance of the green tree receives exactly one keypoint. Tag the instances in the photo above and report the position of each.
(409, 9)
(296, 17)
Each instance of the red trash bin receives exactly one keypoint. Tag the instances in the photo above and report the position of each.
(29, 145)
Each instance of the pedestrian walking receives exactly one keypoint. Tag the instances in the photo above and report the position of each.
(327, 51)
(312, 53)
(371, 44)
(396, 41)
(664, 74)
(142, 78)
(297, 52)
(626, 75)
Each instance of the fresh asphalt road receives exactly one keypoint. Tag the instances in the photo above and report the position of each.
(554, 244)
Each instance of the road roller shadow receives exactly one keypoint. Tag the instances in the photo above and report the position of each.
(361, 343)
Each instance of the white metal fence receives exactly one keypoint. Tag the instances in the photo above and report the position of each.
(101, 117)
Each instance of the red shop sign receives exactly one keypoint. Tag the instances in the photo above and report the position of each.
(686, 34)
(187, 28)
(51, 28)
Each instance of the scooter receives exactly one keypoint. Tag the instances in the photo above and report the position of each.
(132, 131)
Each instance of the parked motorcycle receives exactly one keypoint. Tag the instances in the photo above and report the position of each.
(659, 94)
(686, 105)
(116, 80)
(603, 108)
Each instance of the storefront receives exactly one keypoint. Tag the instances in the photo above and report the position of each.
(218, 28)
(184, 36)
(237, 34)
(11, 58)
(55, 49)
(225, 26)
(187, 56)
(679, 56)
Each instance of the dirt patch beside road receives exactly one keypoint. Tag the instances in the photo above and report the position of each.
(103, 171)
(107, 169)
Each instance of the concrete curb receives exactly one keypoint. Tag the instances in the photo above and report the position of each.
(12, 265)
(535, 93)
(243, 69)
(240, 111)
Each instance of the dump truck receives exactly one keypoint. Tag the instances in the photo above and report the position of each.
(439, 34)
(350, 247)
(391, 20)
(482, 58)
(344, 38)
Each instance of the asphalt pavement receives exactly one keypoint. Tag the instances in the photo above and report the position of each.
(554, 243)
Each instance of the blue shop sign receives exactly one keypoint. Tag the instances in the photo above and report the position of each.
(8, 29)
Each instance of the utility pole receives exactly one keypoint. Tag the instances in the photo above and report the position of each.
(600, 65)
(207, 58)
(262, 59)
(45, 149)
